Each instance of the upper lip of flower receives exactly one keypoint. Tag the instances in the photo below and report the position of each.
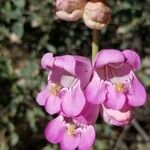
(121, 84)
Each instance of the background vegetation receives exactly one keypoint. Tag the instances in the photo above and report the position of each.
(28, 29)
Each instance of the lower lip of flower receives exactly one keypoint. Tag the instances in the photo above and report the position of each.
(55, 89)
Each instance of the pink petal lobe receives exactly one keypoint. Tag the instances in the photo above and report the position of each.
(54, 130)
(108, 56)
(64, 63)
(42, 96)
(87, 138)
(52, 105)
(69, 142)
(83, 70)
(132, 58)
(73, 100)
(96, 90)
(115, 100)
(47, 61)
(138, 96)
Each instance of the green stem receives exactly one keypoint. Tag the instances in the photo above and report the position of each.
(95, 42)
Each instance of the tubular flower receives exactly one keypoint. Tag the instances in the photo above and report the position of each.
(70, 134)
(116, 117)
(68, 76)
(70, 10)
(114, 83)
(89, 114)
(96, 15)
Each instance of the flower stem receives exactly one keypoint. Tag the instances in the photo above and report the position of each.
(95, 42)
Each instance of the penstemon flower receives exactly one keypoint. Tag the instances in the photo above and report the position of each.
(68, 76)
(114, 83)
(70, 134)
(78, 90)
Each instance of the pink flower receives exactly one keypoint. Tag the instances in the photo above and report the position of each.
(114, 82)
(70, 134)
(70, 10)
(96, 14)
(116, 117)
(68, 76)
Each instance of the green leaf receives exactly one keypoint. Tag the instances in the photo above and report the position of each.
(51, 48)
(19, 3)
(14, 138)
(18, 29)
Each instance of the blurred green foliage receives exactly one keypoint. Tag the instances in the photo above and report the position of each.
(29, 28)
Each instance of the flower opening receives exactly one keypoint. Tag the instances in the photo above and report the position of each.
(55, 89)
(120, 87)
(71, 129)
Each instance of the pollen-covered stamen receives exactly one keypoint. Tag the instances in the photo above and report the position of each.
(71, 129)
(55, 89)
(120, 87)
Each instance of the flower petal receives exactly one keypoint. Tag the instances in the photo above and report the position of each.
(47, 61)
(69, 142)
(42, 96)
(56, 74)
(52, 105)
(87, 138)
(115, 100)
(73, 100)
(96, 90)
(83, 70)
(108, 56)
(132, 58)
(120, 74)
(89, 114)
(66, 62)
(55, 130)
(137, 96)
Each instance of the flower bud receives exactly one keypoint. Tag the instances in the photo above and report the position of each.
(116, 117)
(70, 10)
(96, 15)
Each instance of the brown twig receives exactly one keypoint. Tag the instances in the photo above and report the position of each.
(141, 131)
(122, 135)
(137, 126)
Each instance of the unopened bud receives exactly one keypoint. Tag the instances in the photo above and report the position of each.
(96, 15)
(70, 10)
